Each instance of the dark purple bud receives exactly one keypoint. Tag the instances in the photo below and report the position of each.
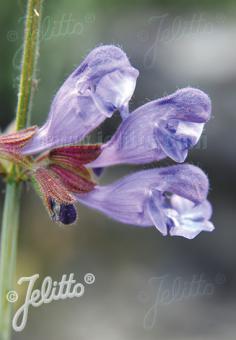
(67, 214)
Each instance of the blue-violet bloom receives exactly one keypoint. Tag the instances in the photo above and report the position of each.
(173, 199)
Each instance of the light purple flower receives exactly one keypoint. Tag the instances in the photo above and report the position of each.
(173, 199)
(167, 127)
(103, 83)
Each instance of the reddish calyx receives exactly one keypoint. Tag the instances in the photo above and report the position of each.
(61, 173)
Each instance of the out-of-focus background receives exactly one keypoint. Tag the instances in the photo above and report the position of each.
(147, 286)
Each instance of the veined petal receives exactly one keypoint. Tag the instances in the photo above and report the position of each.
(166, 127)
(139, 199)
(102, 84)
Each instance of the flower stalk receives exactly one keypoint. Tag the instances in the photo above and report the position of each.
(10, 219)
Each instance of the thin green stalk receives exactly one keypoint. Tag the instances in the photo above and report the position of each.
(29, 60)
(10, 221)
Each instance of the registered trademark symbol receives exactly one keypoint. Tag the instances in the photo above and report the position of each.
(89, 278)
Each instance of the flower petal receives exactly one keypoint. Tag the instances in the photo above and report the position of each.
(166, 127)
(156, 213)
(189, 219)
(189, 209)
(115, 90)
(191, 229)
(137, 198)
(103, 83)
(176, 145)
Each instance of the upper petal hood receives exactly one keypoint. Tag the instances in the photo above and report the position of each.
(103, 83)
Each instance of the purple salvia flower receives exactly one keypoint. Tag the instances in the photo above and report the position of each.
(156, 197)
(173, 199)
(167, 127)
(103, 83)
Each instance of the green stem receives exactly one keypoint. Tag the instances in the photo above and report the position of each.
(29, 60)
(10, 221)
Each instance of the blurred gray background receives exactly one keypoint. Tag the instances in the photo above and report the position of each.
(147, 286)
